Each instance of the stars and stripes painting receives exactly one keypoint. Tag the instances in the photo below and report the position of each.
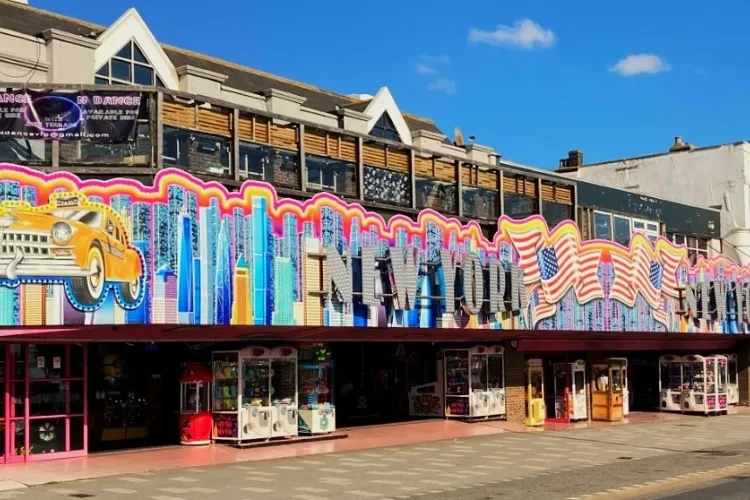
(558, 262)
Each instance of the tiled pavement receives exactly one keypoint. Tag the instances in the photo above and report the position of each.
(433, 469)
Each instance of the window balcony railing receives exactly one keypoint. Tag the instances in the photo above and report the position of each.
(331, 175)
(279, 167)
(196, 151)
(437, 195)
(480, 203)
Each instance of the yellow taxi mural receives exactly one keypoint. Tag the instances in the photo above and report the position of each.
(73, 240)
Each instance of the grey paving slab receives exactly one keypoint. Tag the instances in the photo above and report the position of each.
(515, 464)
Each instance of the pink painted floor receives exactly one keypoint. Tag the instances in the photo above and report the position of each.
(362, 438)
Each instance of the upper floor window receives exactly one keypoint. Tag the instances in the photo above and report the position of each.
(696, 246)
(620, 229)
(385, 129)
(128, 67)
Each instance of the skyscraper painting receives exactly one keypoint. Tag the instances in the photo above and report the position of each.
(184, 251)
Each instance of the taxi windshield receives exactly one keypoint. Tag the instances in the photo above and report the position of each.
(89, 217)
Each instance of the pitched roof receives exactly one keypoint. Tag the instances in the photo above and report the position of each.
(32, 21)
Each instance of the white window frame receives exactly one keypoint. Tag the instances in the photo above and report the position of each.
(650, 228)
(693, 251)
(652, 233)
(611, 228)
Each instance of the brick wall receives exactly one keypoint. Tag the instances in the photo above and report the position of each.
(515, 399)
(743, 370)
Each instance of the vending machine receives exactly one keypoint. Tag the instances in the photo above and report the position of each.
(317, 413)
(571, 403)
(196, 421)
(256, 411)
(535, 407)
(607, 381)
(283, 391)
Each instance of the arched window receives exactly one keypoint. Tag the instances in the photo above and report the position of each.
(385, 129)
(129, 66)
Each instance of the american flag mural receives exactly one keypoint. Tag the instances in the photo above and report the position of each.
(620, 288)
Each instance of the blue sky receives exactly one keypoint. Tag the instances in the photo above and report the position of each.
(531, 79)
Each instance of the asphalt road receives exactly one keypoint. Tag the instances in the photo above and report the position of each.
(696, 456)
(733, 489)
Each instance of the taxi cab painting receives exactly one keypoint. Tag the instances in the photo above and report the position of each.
(70, 240)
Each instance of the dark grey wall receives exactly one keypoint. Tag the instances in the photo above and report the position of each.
(676, 216)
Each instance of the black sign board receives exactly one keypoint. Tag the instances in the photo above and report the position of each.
(96, 116)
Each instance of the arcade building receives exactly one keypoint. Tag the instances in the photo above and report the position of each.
(195, 251)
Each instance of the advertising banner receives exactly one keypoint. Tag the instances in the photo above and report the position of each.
(100, 116)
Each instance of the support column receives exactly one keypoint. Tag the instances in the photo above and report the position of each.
(743, 371)
(515, 394)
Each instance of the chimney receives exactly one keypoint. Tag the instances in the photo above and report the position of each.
(680, 145)
(572, 163)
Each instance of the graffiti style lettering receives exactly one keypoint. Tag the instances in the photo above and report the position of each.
(194, 253)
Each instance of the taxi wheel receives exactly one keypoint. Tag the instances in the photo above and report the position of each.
(89, 290)
(131, 290)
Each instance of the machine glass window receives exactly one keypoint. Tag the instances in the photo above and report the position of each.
(478, 373)
(616, 374)
(560, 380)
(579, 382)
(722, 376)
(537, 383)
(710, 375)
(601, 378)
(190, 399)
(495, 369)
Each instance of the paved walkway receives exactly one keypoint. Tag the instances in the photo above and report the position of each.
(440, 469)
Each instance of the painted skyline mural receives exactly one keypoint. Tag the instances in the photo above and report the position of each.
(80, 252)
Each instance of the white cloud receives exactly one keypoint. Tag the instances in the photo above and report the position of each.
(442, 85)
(640, 64)
(524, 34)
(426, 69)
(428, 65)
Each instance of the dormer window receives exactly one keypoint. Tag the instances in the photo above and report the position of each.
(128, 67)
(385, 129)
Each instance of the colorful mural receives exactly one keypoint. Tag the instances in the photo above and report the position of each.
(188, 252)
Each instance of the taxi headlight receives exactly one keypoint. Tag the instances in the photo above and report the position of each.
(7, 220)
(61, 233)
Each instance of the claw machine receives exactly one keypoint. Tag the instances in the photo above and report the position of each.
(479, 391)
(704, 384)
(256, 412)
(196, 423)
(428, 400)
(283, 392)
(570, 391)
(457, 383)
(227, 396)
(670, 383)
(534, 378)
(496, 378)
(733, 388)
(626, 392)
(607, 390)
(317, 413)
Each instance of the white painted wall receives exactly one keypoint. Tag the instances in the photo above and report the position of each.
(22, 58)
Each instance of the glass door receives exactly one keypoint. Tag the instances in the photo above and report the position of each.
(46, 395)
(15, 411)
